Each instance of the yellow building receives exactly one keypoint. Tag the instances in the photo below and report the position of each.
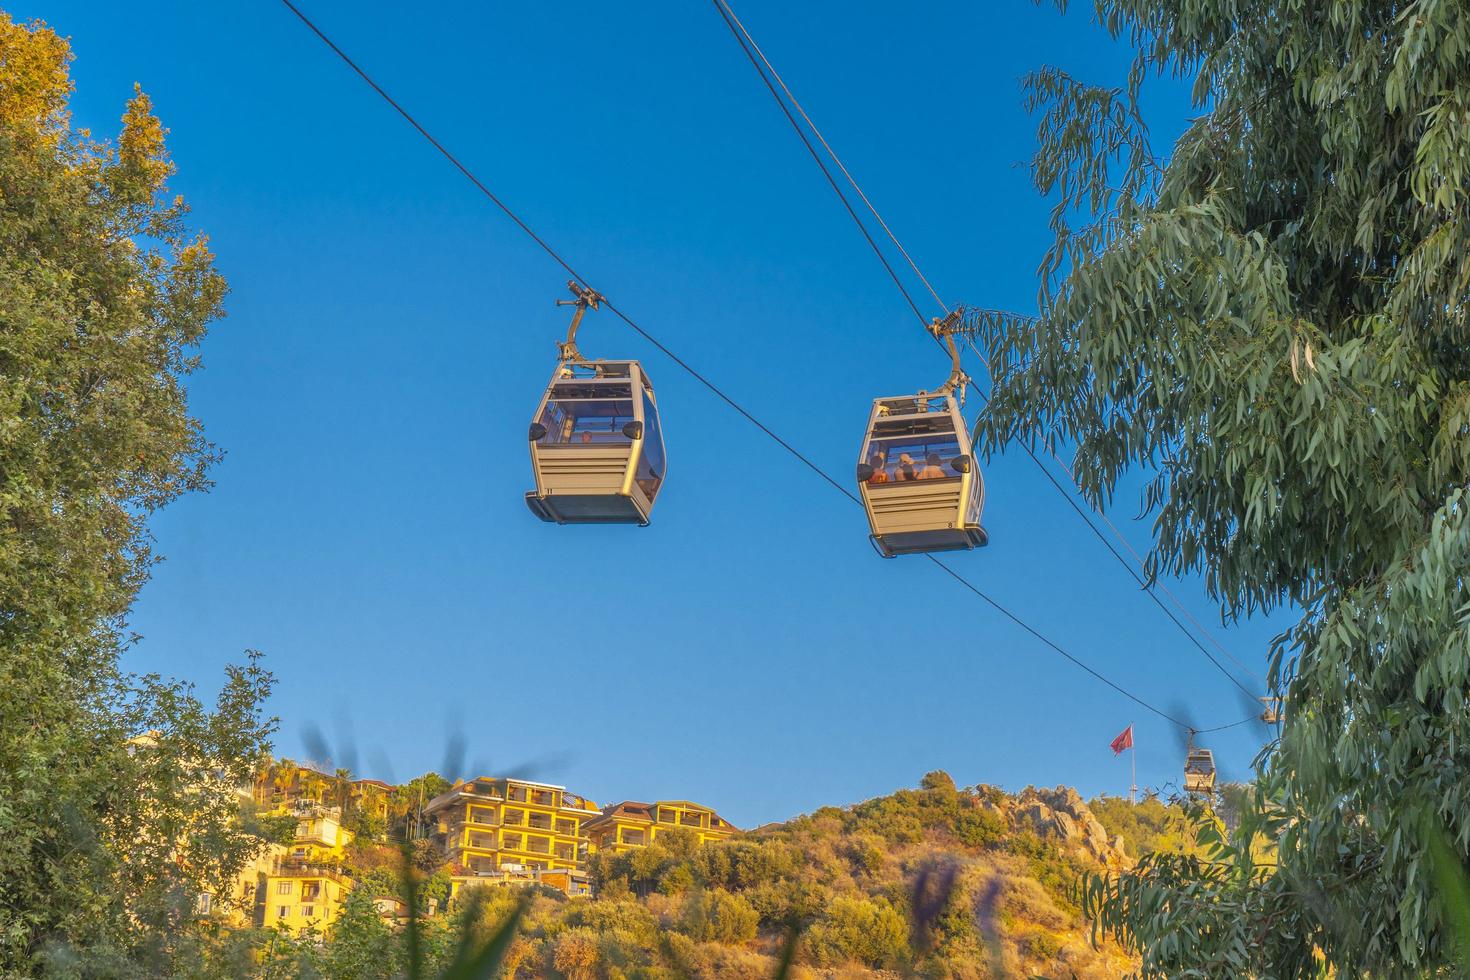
(284, 783)
(300, 895)
(371, 796)
(575, 884)
(632, 824)
(320, 836)
(488, 825)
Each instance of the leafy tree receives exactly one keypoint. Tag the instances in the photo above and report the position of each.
(938, 781)
(117, 794)
(868, 931)
(362, 945)
(1272, 322)
(1149, 826)
(575, 955)
(719, 916)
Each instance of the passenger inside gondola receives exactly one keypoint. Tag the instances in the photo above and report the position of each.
(932, 470)
(906, 470)
(880, 468)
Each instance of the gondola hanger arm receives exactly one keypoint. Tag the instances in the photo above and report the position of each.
(943, 329)
(585, 297)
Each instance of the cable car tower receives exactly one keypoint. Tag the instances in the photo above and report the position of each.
(597, 449)
(916, 473)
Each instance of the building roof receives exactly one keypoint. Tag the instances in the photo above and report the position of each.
(467, 789)
(374, 782)
(628, 810)
(637, 811)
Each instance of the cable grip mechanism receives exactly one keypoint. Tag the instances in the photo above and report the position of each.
(586, 297)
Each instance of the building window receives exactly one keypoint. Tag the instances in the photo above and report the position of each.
(511, 842)
(283, 911)
(665, 816)
(568, 827)
(515, 818)
(307, 911)
(283, 888)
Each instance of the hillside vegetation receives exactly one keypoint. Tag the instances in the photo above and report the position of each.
(937, 881)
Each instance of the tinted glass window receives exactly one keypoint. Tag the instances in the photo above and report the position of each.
(650, 473)
(899, 459)
(587, 421)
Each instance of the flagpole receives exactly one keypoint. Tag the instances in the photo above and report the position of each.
(1133, 760)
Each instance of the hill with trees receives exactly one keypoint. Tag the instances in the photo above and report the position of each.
(938, 881)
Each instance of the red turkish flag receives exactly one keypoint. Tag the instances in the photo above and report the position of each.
(1123, 741)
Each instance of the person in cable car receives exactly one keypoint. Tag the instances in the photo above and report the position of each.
(932, 470)
(880, 469)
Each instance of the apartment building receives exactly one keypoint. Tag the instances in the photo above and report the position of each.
(574, 884)
(320, 836)
(485, 825)
(300, 895)
(630, 824)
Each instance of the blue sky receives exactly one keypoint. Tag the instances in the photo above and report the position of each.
(389, 334)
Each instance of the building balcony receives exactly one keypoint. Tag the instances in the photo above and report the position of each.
(297, 867)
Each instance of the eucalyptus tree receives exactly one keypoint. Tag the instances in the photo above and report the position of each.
(1270, 319)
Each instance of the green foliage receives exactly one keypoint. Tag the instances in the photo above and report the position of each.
(362, 945)
(1148, 826)
(1272, 323)
(938, 781)
(867, 931)
(117, 793)
(717, 915)
(1454, 890)
(731, 908)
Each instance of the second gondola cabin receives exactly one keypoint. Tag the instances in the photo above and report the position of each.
(597, 449)
(918, 478)
(1199, 772)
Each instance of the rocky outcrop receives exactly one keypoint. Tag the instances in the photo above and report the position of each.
(1060, 815)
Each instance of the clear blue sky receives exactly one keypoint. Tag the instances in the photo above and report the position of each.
(389, 334)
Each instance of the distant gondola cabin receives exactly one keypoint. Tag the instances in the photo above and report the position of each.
(1199, 772)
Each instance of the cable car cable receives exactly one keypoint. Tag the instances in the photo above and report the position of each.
(551, 251)
(1137, 557)
(753, 51)
(726, 10)
(823, 167)
(711, 385)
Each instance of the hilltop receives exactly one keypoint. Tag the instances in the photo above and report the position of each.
(943, 881)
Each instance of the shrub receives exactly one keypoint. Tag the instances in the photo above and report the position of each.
(872, 932)
(938, 781)
(717, 915)
(576, 954)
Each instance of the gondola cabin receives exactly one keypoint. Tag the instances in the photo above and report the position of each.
(1271, 710)
(918, 478)
(1199, 772)
(597, 449)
